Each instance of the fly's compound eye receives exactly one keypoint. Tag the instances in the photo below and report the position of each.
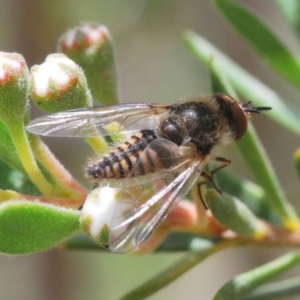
(238, 114)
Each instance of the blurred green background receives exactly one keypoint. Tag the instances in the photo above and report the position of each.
(153, 66)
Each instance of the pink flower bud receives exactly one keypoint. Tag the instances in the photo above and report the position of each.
(13, 86)
(59, 84)
(91, 46)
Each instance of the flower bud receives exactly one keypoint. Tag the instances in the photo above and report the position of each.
(59, 84)
(97, 213)
(13, 86)
(90, 45)
(235, 215)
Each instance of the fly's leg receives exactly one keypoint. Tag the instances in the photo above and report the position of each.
(225, 162)
(209, 177)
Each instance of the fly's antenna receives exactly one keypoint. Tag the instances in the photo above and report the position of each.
(256, 110)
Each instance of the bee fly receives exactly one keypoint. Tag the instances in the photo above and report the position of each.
(164, 157)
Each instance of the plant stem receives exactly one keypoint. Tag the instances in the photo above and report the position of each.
(18, 134)
(7, 195)
(98, 144)
(185, 264)
(56, 169)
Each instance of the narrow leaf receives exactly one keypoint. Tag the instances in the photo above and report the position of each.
(235, 215)
(241, 285)
(258, 162)
(276, 290)
(262, 39)
(291, 11)
(250, 193)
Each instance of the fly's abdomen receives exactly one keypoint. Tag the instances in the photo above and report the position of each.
(128, 158)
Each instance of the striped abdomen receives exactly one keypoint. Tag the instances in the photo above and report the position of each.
(126, 159)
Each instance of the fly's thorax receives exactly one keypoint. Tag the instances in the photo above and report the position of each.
(124, 159)
(173, 128)
(199, 122)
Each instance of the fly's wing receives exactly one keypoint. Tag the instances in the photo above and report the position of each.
(89, 122)
(135, 219)
(147, 200)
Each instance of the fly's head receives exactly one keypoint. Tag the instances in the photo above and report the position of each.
(236, 114)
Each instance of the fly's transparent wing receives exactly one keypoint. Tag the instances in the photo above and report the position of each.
(144, 203)
(136, 218)
(88, 122)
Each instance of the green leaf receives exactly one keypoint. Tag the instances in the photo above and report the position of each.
(12, 179)
(291, 11)
(250, 193)
(262, 39)
(276, 290)
(241, 285)
(258, 162)
(243, 82)
(28, 227)
(234, 214)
